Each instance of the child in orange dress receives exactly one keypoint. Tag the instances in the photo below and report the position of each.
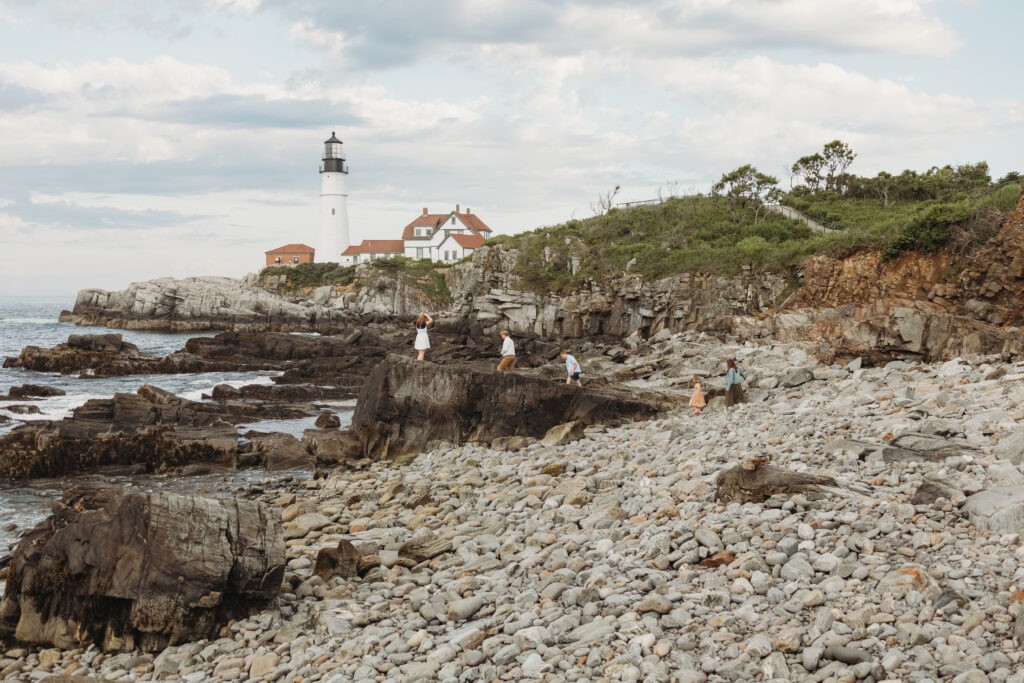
(697, 400)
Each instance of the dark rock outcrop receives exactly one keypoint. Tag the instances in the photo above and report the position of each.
(24, 391)
(106, 355)
(152, 428)
(405, 405)
(141, 570)
(78, 353)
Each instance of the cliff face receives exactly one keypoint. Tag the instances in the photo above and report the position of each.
(201, 303)
(489, 290)
(865, 278)
(992, 286)
(860, 305)
(911, 306)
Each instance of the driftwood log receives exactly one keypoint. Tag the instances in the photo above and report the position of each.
(755, 481)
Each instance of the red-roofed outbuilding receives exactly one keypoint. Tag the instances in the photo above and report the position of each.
(290, 255)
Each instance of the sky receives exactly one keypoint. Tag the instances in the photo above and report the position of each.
(183, 137)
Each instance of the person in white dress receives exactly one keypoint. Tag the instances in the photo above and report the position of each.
(422, 342)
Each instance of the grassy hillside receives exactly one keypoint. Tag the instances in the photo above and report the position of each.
(706, 234)
(956, 208)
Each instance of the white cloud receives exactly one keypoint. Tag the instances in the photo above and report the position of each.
(524, 111)
(310, 35)
(244, 5)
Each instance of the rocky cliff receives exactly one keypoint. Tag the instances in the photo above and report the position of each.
(489, 290)
(918, 305)
(203, 303)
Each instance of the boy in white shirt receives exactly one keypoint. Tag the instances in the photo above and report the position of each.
(508, 353)
(572, 368)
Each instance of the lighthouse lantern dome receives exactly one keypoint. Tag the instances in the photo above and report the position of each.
(334, 156)
(332, 148)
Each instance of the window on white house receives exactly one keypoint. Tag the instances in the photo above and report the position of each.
(453, 220)
(419, 252)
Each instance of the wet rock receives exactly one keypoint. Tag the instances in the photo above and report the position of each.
(125, 570)
(151, 428)
(327, 421)
(279, 451)
(32, 391)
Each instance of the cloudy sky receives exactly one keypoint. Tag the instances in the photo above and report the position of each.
(182, 137)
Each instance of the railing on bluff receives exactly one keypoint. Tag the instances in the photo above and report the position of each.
(642, 202)
(812, 223)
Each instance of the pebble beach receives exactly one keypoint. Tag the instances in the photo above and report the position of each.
(610, 559)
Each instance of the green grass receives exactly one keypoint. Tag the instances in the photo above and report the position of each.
(687, 234)
(427, 276)
(311, 274)
(699, 234)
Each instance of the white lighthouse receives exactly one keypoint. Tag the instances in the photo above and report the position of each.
(333, 203)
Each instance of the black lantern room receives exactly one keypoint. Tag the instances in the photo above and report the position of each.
(334, 157)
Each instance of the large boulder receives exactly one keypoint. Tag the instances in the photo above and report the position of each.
(141, 570)
(997, 510)
(78, 353)
(406, 405)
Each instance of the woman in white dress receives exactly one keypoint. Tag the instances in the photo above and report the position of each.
(422, 342)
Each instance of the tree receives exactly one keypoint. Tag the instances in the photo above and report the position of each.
(809, 168)
(880, 186)
(746, 187)
(605, 201)
(837, 157)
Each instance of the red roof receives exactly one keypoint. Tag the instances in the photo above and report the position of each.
(474, 222)
(292, 249)
(424, 220)
(376, 247)
(434, 220)
(474, 241)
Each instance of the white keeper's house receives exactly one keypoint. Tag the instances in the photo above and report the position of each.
(445, 237)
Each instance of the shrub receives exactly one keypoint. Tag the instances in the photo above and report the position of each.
(311, 274)
(754, 247)
(929, 232)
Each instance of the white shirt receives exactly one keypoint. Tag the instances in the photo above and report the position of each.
(507, 347)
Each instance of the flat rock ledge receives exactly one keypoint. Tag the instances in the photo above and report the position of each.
(141, 570)
(406, 405)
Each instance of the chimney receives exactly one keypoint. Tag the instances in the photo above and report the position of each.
(456, 208)
(424, 211)
(468, 211)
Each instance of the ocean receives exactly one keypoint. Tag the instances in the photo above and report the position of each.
(28, 321)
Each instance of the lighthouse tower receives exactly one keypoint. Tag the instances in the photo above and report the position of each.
(333, 203)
